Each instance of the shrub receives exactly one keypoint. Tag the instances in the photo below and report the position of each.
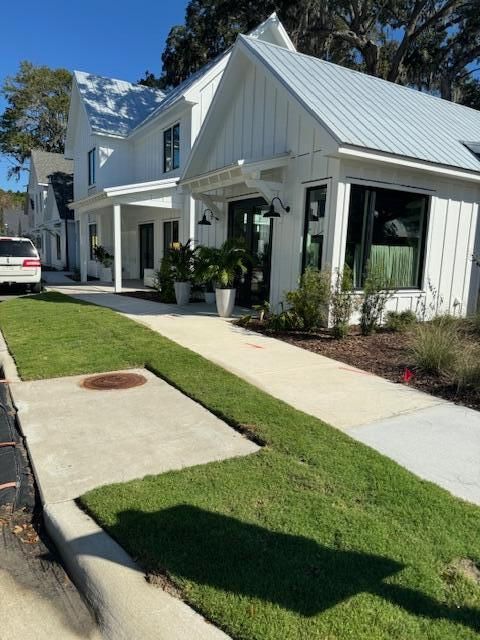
(309, 303)
(285, 320)
(435, 347)
(163, 281)
(466, 369)
(376, 294)
(474, 323)
(342, 302)
(400, 320)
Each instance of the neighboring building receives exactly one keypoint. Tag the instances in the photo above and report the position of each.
(14, 221)
(371, 172)
(52, 225)
(129, 145)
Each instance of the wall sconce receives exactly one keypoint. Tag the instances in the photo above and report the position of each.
(272, 213)
(204, 221)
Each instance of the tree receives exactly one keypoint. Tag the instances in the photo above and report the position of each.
(36, 113)
(429, 44)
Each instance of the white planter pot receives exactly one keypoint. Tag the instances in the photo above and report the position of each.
(182, 292)
(209, 297)
(106, 274)
(225, 299)
(149, 278)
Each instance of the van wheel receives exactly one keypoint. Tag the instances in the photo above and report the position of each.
(36, 288)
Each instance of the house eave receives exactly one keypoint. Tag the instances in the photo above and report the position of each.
(345, 151)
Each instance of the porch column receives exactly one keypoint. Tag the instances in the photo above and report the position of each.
(83, 232)
(117, 250)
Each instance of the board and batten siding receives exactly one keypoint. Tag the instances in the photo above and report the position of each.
(263, 121)
(450, 278)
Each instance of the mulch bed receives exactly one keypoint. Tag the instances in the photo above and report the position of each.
(385, 354)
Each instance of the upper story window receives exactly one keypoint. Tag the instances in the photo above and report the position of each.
(386, 232)
(171, 148)
(91, 167)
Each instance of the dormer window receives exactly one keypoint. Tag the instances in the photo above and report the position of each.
(91, 167)
(171, 148)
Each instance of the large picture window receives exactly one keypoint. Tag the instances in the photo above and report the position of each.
(171, 148)
(314, 227)
(386, 232)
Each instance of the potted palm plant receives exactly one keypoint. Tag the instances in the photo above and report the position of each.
(205, 271)
(106, 261)
(227, 262)
(182, 261)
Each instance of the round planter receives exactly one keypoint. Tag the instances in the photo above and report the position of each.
(106, 274)
(182, 292)
(225, 299)
(209, 297)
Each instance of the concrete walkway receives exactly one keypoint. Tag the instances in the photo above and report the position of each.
(51, 278)
(429, 436)
(88, 438)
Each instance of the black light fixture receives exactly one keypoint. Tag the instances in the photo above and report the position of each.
(204, 221)
(272, 213)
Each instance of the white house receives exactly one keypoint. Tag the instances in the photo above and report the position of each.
(370, 171)
(52, 227)
(129, 145)
(354, 169)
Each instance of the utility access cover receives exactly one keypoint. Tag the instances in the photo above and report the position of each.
(107, 381)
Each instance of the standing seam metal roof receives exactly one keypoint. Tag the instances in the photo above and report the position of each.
(372, 113)
(113, 106)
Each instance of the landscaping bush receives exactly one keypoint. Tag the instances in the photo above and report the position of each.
(400, 320)
(466, 369)
(309, 303)
(376, 293)
(474, 323)
(342, 302)
(163, 281)
(436, 346)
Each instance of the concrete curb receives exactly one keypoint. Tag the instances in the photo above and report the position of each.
(7, 362)
(125, 605)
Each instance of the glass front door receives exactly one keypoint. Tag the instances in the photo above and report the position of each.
(146, 247)
(246, 223)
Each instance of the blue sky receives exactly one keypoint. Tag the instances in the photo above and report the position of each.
(115, 38)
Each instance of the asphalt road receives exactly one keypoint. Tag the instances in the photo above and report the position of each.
(38, 600)
(7, 293)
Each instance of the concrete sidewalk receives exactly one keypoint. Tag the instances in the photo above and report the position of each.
(437, 440)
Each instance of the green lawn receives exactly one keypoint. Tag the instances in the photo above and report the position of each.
(315, 536)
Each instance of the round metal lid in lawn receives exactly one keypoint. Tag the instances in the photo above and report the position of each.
(107, 381)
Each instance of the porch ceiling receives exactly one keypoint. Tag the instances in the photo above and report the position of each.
(242, 171)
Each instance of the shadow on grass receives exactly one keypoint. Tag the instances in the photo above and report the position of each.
(291, 571)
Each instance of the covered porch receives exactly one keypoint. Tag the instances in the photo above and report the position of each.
(134, 223)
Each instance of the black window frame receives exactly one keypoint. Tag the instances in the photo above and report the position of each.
(91, 167)
(92, 239)
(172, 224)
(370, 193)
(171, 148)
(58, 246)
(322, 185)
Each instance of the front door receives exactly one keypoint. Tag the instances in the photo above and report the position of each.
(146, 247)
(246, 223)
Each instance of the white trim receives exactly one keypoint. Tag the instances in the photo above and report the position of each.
(101, 199)
(422, 165)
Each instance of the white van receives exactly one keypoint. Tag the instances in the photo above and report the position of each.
(20, 263)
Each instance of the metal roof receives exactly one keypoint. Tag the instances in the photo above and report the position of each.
(46, 163)
(113, 106)
(372, 113)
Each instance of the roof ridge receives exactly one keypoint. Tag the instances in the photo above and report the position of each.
(357, 72)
